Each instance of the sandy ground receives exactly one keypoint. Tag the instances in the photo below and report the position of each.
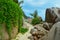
(26, 35)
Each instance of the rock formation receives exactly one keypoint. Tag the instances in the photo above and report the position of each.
(4, 35)
(52, 15)
(47, 26)
(54, 33)
(49, 30)
(37, 32)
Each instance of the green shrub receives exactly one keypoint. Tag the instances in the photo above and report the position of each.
(36, 20)
(23, 30)
(10, 13)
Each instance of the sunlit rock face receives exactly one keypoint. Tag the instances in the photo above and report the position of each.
(52, 15)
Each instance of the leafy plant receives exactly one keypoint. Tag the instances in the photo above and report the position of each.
(10, 13)
(23, 30)
(35, 14)
(36, 19)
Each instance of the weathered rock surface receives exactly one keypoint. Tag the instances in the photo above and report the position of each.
(37, 32)
(47, 26)
(3, 33)
(52, 15)
(14, 32)
(54, 33)
(44, 37)
(46, 31)
(25, 24)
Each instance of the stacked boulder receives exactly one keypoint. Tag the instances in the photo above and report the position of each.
(53, 17)
(47, 26)
(44, 32)
(37, 33)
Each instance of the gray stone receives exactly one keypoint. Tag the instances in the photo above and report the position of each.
(38, 32)
(54, 33)
(52, 15)
(47, 26)
(31, 38)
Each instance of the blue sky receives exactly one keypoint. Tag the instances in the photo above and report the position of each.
(29, 6)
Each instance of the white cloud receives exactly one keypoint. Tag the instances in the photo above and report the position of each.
(41, 13)
(56, 3)
(28, 11)
(36, 2)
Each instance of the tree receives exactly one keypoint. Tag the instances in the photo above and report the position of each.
(18, 2)
(15, 1)
(36, 19)
(35, 14)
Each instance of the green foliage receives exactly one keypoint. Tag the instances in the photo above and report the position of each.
(35, 14)
(10, 13)
(36, 20)
(23, 30)
(15, 1)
